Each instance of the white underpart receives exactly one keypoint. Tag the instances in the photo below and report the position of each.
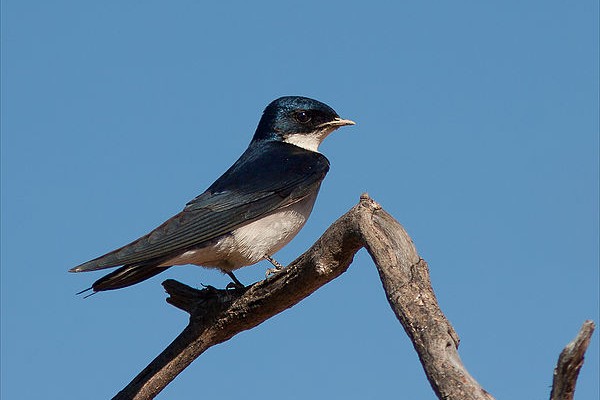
(250, 243)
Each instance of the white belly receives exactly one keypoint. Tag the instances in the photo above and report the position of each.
(250, 243)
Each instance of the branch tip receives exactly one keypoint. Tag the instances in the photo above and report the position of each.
(570, 362)
(368, 202)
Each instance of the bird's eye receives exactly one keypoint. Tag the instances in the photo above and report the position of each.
(302, 116)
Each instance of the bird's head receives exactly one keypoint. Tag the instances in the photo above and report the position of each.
(298, 120)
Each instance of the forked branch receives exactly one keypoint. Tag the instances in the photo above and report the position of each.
(218, 315)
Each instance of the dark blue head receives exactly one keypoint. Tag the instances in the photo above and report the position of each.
(298, 120)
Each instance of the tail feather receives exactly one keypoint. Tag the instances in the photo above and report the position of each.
(126, 276)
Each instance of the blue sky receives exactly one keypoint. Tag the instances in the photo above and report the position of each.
(477, 128)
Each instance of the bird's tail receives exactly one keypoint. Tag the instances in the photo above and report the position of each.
(126, 276)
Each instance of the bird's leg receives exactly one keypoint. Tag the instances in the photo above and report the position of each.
(273, 261)
(271, 271)
(236, 284)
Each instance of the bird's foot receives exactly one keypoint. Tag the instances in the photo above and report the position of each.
(236, 284)
(277, 267)
(273, 271)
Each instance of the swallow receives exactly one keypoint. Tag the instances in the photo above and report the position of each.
(252, 211)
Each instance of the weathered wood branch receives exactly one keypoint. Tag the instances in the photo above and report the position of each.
(569, 364)
(218, 315)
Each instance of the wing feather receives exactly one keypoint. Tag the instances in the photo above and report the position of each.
(267, 177)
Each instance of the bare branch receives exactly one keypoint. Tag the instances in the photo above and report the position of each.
(569, 364)
(405, 278)
(217, 315)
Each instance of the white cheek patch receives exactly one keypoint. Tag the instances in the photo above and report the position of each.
(308, 141)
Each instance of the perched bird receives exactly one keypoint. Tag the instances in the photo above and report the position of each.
(254, 209)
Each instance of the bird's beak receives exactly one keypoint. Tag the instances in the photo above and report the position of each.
(343, 122)
(336, 123)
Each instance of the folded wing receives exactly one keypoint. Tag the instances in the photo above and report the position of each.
(269, 176)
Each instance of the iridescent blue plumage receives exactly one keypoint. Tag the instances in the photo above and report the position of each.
(250, 212)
